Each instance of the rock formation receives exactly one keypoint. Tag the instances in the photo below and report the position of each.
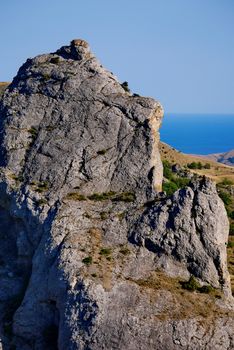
(91, 256)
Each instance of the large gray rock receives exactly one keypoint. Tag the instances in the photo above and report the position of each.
(90, 256)
(185, 227)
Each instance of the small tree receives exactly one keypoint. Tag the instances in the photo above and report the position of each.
(125, 86)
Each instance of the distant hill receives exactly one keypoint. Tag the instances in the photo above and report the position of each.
(3, 86)
(225, 158)
(217, 171)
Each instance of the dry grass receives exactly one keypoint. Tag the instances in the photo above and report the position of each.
(3, 86)
(99, 263)
(217, 171)
(186, 304)
(75, 196)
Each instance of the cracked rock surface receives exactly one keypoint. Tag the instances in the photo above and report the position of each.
(91, 257)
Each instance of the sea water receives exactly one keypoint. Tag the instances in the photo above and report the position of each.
(199, 133)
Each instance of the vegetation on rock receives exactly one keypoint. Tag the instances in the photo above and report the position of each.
(174, 181)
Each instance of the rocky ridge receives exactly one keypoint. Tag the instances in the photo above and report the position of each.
(92, 256)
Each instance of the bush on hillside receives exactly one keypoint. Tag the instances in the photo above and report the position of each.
(125, 86)
(169, 187)
(207, 166)
(226, 182)
(174, 181)
(195, 165)
(226, 197)
(231, 230)
(167, 172)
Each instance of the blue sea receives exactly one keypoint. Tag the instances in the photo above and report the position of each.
(199, 133)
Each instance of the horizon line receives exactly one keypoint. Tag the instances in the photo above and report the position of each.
(200, 113)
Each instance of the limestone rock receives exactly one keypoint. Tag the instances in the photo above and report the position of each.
(192, 227)
(91, 255)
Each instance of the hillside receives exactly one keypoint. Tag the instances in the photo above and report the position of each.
(3, 86)
(223, 176)
(217, 171)
(225, 158)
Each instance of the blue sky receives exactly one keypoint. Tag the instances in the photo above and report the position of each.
(180, 52)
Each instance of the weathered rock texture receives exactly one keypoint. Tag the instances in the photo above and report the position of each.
(90, 256)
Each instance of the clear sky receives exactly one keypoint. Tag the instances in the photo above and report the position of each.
(180, 52)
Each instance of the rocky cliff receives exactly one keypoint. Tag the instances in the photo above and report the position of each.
(92, 256)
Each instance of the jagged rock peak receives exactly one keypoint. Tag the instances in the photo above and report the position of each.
(68, 122)
(79, 49)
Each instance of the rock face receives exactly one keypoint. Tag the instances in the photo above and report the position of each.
(91, 257)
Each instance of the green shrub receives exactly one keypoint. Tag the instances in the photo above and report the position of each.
(121, 215)
(19, 178)
(175, 182)
(50, 128)
(181, 181)
(230, 244)
(125, 86)
(102, 152)
(205, 289)
(121, 197)
(226, 182)
(198, 165)
(88, 260)
(124, 251)
(34, 133)
(105, 251)
(231, 230)
(207, 166)
(39, 190)
(42, 201)
(76, 196)
(195, 165)
(101, 196)
(191, 285)
(167, 172)
(125, 197)
(169, 187)
(103, 215)
(46, 76)
(226, 197)
(55, 60)
(42, 186)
